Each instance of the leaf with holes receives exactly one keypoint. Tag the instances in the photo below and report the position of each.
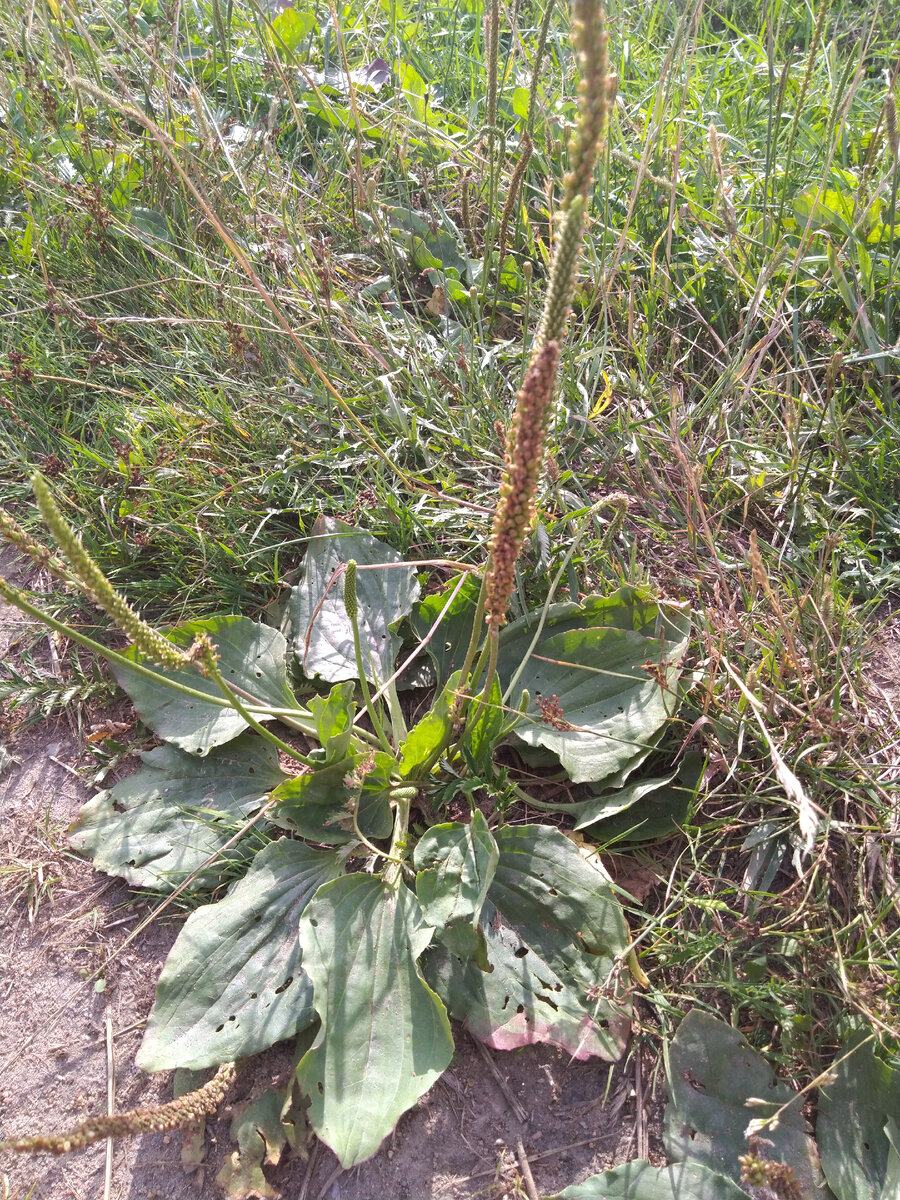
(555, 936)
(260, 1137)
(455, 865)
(252, 657)
(637, 1180)
(386, 589)
(713, 1072)
(320, 805)
(385, 1037)
(235, 981)
(852, 1129)
(157, 826)
(602, 679)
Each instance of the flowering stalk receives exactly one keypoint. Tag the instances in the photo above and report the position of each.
(11, 531)
(193, 1106)
(524, 461)
(527, 433)
(525, 439)
(596, 92)
(97, 587)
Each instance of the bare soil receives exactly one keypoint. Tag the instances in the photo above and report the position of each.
(62, 922)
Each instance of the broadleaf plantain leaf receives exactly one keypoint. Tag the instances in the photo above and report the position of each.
(235, 982)
(252, 657)
(712, 1073)
(637, 1180)
(322, 633)
(385, 1037)
(159, 824)
(602, 680)
(555, 933)
(455, 865)
(852, 1132)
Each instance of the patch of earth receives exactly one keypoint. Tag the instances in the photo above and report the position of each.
(63, 921)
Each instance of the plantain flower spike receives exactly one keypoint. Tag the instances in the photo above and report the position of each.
(596, 91)
(97, 587)
(528, 430)
(524, 461)
(11, 531)
(193, 1106)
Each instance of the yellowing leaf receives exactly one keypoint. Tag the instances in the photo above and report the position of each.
(603, 400)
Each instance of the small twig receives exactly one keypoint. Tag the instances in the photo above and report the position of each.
(643, 1147)
(332, 1179)
(554, 1153)
(110, 1102)
(121, 921)
(65, 767)
(530, 1187)
(308, 1174)
(131, 1028)
(518, 1108)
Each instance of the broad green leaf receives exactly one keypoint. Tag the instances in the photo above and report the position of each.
(423, 744)
(483, 729)
(712, 1073)
(251, 657)
(385, 1037)
(655, 809)
(319, 804)
(150, 224)
(289, 29)
(455, 865)
(610, 804)
(323, 635)
(316, 805)
(333, 716)
(510, 275)
(519, 100)
(637, 1180)
(159, 824)
(555, 934)
(447, 647)
(891, 1189)
(853, 1143)
(602, 681)
(831, 209)
(414, 90)
(235, 981)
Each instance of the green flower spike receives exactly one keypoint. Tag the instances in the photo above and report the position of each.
(11, 531)
(596, 92)
(97, 587)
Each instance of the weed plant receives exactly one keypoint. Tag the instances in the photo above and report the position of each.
(256, 271)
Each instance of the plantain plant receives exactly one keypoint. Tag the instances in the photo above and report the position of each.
(361, 918)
